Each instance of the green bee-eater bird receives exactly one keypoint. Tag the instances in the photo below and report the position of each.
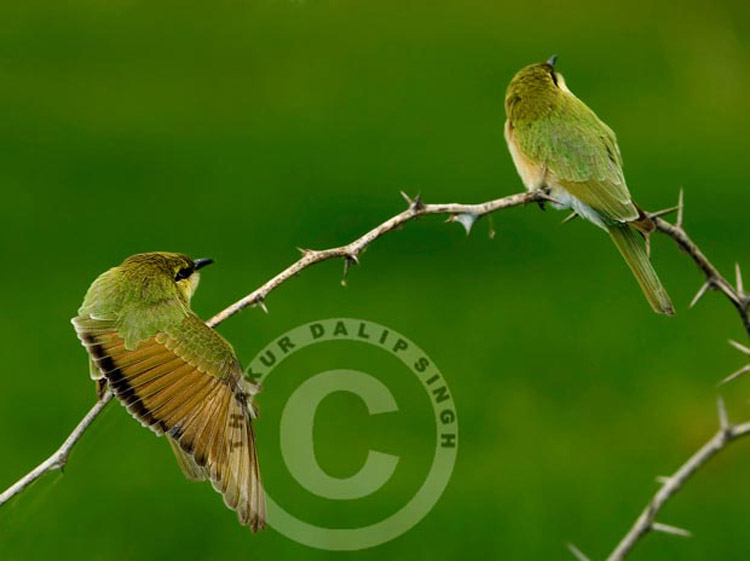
(175, 374)
(559, 145)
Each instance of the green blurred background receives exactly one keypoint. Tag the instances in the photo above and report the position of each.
(240, 130)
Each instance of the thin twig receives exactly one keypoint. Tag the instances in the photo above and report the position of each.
(714, 279)
(60, 457)
(465, 214)
(672, 485)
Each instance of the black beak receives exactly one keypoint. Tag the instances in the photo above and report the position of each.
(552, 60)
(200, 263)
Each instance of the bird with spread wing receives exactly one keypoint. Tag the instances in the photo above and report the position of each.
(174, 374)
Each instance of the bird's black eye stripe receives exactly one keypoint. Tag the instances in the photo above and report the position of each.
(184, 273)
(552, 73)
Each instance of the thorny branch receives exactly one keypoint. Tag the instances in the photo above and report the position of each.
(727, 433)
(466, 215)
(714, 280)
(60, 457)
(672, 484)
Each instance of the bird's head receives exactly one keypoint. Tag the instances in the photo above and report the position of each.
(162, 274)
(534, 89)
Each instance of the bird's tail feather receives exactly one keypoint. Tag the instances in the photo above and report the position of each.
(639, 263)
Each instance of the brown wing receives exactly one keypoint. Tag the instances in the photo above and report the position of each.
(205, 412)
(187, 464)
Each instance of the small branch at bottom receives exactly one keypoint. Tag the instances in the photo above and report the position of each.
(60, 457)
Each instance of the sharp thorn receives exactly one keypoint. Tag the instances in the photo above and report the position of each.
(349, 260)
(664, 212)
(723, 417)
(734, 375)
(346, 270)
(572, 216)
(740, 347)
(680, 208)
(305, 252)
(417, 203)
(667, 529)
(261, 303)
(577, 553)
(701, 292)
(738, 273)
(663, 479)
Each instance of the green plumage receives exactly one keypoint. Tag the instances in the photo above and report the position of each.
(175, 374)
(631, 250)
(558, 144)
(140, 296)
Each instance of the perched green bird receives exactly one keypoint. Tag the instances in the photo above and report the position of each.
(559, 145)
(175, 374)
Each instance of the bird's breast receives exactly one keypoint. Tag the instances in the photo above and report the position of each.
(532, 173)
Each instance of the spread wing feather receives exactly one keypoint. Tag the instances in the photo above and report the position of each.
(186, 462)
(198, 400)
